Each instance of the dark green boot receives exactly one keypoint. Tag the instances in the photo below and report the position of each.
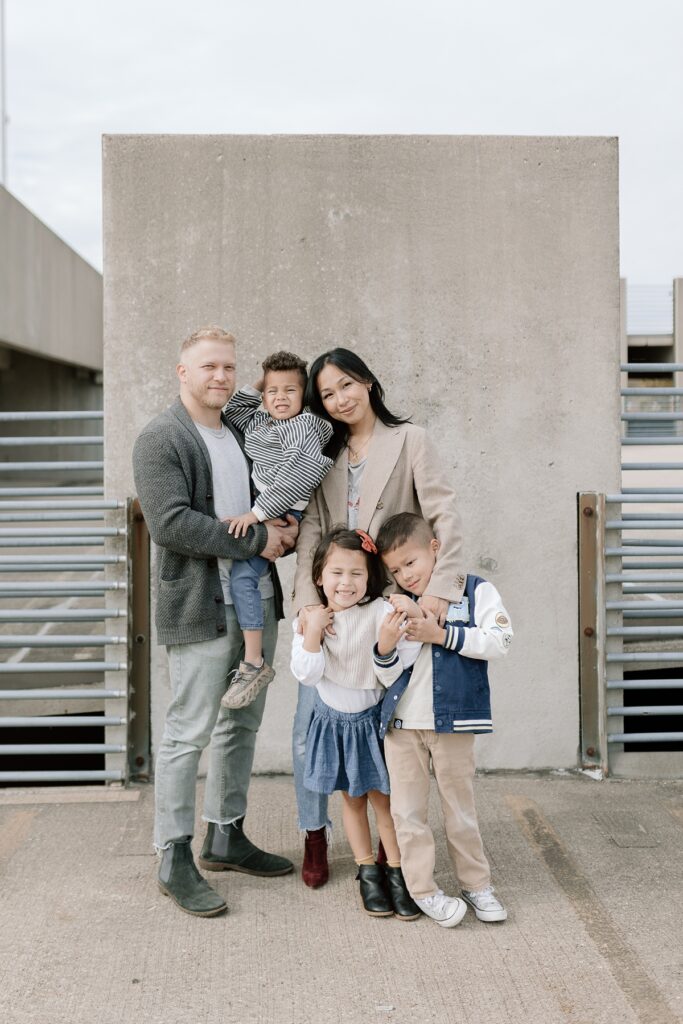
(179, 879)
(230, 850)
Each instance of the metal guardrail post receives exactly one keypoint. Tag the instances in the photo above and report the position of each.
(139, 740)
(592, 630)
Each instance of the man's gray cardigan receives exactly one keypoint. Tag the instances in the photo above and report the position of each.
(172, 470)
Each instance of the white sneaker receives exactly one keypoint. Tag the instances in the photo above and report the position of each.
(485, 904)
(445, 910)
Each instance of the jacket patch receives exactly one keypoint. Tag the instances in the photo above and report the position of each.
(459, 612)
(502, 620)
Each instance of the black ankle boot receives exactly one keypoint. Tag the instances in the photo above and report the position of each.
(403, 903)
(179, 879)
(226, 848)
(373, 890)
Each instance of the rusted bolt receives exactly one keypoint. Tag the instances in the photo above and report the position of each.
(589, 631)
(139, 760)
(590, 751)
(588, 511)
(139, 638)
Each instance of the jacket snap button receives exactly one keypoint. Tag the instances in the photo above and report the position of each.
(439, 721)
(437, 654)
(438, 689)
(395, 697)
(380, 505)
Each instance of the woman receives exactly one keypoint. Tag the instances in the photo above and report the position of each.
(383, 465)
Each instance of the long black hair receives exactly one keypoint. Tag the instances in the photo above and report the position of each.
(350, 363)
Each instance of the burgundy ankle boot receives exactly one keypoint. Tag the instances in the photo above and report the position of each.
(315, 871)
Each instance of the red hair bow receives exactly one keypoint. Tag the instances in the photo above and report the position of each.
(366, 542)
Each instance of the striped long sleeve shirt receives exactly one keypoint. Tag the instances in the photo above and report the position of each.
(288, 463)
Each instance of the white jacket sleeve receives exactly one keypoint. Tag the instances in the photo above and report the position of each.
(388, 667)
(491, 635)
(307, 667)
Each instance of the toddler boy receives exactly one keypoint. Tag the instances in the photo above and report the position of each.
(436, 707)
(284, 442)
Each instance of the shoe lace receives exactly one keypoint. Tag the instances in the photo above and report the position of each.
(438, 901)
(484, 897)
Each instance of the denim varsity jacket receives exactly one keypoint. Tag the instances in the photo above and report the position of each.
(478, 629)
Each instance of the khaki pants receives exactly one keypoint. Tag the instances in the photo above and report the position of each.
(407, 753)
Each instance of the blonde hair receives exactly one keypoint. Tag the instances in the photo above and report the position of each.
(210, 333)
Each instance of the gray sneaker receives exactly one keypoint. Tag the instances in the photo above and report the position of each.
(246, 684)
(445, 910)
(485, 905)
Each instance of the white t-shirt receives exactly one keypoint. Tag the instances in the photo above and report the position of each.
(231, 492)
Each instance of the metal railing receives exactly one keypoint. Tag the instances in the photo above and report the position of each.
(72, 608)
(631, 600)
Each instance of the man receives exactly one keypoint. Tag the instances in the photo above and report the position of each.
(191, 474)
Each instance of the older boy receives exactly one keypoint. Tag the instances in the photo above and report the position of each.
(436, 708)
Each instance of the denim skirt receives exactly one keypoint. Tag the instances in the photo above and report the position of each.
(344, 751)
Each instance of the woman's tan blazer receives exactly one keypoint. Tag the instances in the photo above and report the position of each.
(403, 473)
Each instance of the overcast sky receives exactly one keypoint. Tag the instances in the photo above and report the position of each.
(79, 68)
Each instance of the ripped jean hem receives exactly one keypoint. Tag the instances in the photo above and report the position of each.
(222, 825)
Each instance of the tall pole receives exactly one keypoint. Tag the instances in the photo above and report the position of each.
(3, 94)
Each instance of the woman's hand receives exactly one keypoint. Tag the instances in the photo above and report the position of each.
(426, 630)
(303, 616)
(405, 604)
(391, 630)
(240, 524)
(438, 606)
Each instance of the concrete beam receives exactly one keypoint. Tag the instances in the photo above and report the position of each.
(50, 298)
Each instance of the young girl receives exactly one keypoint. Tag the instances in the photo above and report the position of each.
(343, 749)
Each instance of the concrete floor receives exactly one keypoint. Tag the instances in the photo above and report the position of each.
(591, 872)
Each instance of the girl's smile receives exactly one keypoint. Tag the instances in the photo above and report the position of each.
(344, 578)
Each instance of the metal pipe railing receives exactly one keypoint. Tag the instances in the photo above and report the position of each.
(644, 737)
(673, 656)
(21, 749)
(645, 684)
(49, 441)
(60, 614)
(55, 491)
(26, 667)
(60, 721)
(651, 367)
(52, 417)
(49, 467)
(57, 521)
(62, 694)
(53, 640)
(651, 392)
(642, 712)
(107, 775)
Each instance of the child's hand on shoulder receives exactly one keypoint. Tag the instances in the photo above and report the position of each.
(391, 630)
(405, 604)
(426, 630)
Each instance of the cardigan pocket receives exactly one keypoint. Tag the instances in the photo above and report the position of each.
(180, 601)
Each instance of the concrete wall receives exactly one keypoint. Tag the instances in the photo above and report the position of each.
(478, 277)
(50, 298)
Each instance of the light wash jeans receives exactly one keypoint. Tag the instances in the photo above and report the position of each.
(312, 807)
(199, 678)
